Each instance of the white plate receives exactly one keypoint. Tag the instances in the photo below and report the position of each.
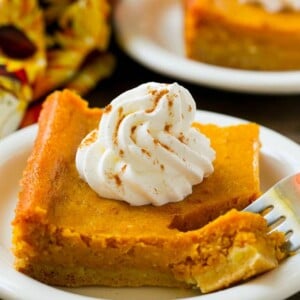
(151, 32)
(279, 157)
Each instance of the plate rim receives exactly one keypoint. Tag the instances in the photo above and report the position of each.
(13, 290)
(141, 47)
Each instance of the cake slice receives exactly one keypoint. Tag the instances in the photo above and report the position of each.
(246, 36)
(65, 234)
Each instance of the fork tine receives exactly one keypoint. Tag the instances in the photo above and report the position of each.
(274, 215)
(284, 202)
(294, 243)
(260, 204)
(283, 227)
(292, 225)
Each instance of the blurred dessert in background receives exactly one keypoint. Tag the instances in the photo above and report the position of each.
(276, 5)
(245, 34)
(46, 45)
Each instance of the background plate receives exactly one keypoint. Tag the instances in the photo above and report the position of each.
(151, 32)
(279, 157)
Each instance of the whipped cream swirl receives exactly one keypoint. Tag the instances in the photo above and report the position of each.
(276, 5)
(145, 150)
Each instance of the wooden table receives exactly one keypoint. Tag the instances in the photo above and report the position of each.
(280, 113)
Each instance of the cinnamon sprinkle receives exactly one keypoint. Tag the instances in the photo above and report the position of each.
(170, 101)
(157, 96)
(90, 139)
(168, 127)
(133, 129)
(117, 180)
(120, 119)
(145, 151)
(157, 142)
(181, 138)
(166, 147)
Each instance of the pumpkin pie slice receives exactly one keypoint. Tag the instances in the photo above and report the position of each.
(65, 234)
(246, 36)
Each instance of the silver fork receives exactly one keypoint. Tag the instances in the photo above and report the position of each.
(280, 206)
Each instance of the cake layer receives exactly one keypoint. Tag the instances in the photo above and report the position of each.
(230, 249)
(246, 36)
